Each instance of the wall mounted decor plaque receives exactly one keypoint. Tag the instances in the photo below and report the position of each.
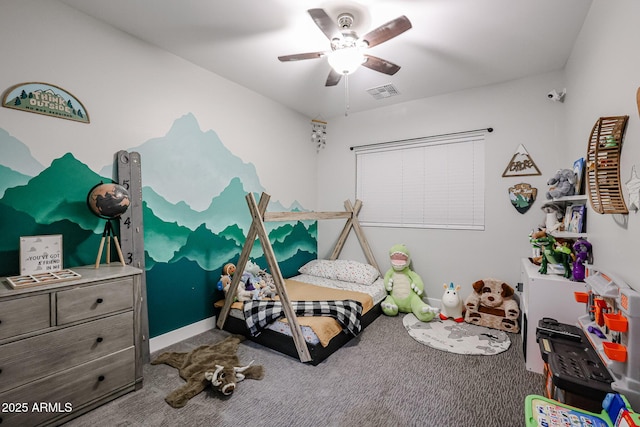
(521, 164)
(522, 196)
(47, 99)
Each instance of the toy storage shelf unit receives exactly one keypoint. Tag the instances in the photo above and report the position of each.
(544, 295)
(603, 165)
(612, 326)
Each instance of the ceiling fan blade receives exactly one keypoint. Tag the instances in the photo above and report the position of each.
(387, 31)
(380, 65)
(333, 78)
(299, 56)
(327, 25)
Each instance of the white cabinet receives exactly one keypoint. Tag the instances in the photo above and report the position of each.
(545, 295)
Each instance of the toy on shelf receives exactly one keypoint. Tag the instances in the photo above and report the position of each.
(612, 325)
(582, 251)
(551, 252)
(452, 306)
(405, 288)
(554, 213)
(543, 412)
(491, 305)
(563, 183)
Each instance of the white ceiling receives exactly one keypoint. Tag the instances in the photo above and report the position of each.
(453, 45)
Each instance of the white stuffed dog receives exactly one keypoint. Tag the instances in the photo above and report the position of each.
(490, 304)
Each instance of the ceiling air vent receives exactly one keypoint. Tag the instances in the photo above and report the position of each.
(384, 91)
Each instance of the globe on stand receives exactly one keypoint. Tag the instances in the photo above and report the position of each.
(108, 201)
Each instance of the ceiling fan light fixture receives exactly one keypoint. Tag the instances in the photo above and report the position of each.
(347, 60)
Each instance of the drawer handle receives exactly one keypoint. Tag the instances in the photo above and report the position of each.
(99, 301)
(99, 339)
(101, 378)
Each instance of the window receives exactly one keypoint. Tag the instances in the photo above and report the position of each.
(432, 182)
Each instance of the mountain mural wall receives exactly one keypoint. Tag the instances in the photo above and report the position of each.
(194, 212)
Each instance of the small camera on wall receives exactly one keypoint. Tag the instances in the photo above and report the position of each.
(556, 96)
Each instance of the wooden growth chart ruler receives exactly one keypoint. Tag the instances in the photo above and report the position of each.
(132, 231)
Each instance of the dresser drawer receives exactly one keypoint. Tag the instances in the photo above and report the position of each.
(71, 389)
(97, 300)
(42, 355)
(22, 315)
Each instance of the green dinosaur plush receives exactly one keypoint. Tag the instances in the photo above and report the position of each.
(551, 252)
(405, 287)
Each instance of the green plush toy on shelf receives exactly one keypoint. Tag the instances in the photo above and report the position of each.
(405, 287)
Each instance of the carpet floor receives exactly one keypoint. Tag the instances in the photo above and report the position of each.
(383, 377)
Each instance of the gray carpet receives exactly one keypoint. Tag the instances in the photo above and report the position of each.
(381, 378)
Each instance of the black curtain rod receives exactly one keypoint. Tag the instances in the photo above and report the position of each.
(414, 139)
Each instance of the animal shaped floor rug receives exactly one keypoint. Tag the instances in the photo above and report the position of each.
(214, 365)
(460, 338)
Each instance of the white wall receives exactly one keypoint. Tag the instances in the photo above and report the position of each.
(133, 92)
(519, 112)
(603, 76)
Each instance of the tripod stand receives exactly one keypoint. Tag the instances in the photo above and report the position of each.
(107, 233)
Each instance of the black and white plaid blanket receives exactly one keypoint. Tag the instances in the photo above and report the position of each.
(259, 313)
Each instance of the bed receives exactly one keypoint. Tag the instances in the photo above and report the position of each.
(337, 275)
(320, 280)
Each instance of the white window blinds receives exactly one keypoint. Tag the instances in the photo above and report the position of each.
(433, 182)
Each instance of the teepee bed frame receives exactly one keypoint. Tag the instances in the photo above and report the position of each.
(294, 345)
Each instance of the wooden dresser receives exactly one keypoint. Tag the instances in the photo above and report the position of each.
(69, 347)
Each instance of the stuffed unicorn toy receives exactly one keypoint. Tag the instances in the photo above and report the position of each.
(452, 305)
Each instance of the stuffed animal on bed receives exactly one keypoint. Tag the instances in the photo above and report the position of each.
(253, 278)
(405, 287)
(241, 293)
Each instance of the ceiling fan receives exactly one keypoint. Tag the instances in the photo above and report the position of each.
(346, 53)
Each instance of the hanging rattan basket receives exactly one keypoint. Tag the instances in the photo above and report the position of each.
(603, 165)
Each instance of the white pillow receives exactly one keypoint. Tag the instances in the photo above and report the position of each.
(319, 268)
(344, 270)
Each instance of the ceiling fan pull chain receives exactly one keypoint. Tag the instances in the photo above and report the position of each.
(346, 94)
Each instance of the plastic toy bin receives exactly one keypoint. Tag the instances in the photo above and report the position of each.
(616, 322)
(615, 351)
(582, 297)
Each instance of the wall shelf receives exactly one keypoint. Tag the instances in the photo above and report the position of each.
(576, 199)
(603, 165)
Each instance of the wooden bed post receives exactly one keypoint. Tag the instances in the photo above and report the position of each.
(353, 222)
(242, 262)
(257, 229)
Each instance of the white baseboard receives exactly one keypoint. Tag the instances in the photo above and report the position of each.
(165, 340)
